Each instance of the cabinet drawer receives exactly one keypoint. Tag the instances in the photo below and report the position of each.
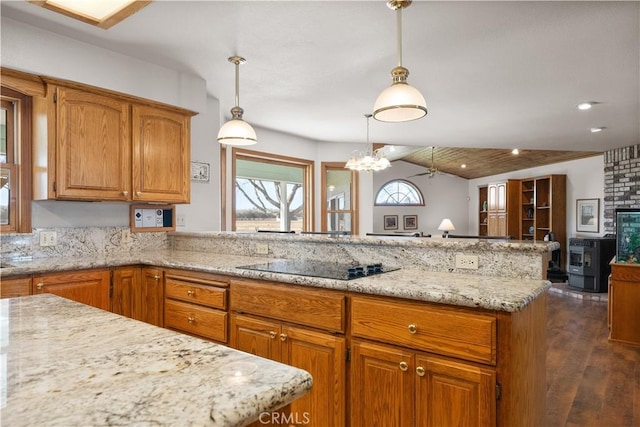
(442, 330)
(194, 293)
(11, 288)
(310, 307)
(196, 320)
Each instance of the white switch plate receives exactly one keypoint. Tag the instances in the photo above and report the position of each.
(48, 238)
(262, 249)
(181, 220)
(467, 261)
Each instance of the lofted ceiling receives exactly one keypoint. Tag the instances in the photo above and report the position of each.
(496, 75)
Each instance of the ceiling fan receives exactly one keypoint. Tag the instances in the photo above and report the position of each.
(431, 170)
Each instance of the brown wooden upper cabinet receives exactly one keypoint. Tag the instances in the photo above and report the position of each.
(102, 145)
(502, 210)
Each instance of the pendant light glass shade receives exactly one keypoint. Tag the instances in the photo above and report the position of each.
(400, 102)
(236, 131)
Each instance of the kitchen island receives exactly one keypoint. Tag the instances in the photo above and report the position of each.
(65, 363)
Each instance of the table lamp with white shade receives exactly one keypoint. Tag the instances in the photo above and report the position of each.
(446, 225)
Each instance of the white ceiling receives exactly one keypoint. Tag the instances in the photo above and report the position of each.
(494, 74)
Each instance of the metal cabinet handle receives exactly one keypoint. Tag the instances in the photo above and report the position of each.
(404, 366)
(39, 286)
(191, 293)
(283, 337)
(191, 319)
(420, 371)
(138, 193)
(412, 328)
(125, 193)
(156, 277)
(272, 334)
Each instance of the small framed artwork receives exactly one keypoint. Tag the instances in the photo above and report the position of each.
(199, 172)
(410, 222)
(391, 222)
(588, 215)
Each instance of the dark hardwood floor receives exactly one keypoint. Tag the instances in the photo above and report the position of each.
(590, 381)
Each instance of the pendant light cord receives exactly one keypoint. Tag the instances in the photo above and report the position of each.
(237, 83)
(399, 19)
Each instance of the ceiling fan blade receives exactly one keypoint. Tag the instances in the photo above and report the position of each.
(419, 174)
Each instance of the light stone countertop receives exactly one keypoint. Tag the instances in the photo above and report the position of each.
(469, 290)
(68, 364)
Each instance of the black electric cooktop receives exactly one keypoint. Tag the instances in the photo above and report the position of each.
(324, 269)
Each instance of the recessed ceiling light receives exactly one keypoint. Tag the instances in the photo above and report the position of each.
(463, 166)
(515, 151)
(586, 105)
(596, 130)
(101, 13)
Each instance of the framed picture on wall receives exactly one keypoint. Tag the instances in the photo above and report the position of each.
(391, 222)
(588, 215)
(410, 222)
(200, 172)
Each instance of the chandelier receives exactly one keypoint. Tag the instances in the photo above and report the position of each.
(368, 160)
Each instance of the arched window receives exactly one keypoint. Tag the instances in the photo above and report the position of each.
(399, 192)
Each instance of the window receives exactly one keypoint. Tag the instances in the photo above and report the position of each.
(399, 192)
(339, 195)
(15, 160)
(272, 193)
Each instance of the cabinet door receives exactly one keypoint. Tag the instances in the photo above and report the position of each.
(323, 356)
(502, 197)
(89, 287)
(492, 197)
(126, 286)
(256, 336)
(161, 155)
(451, 393)
(93, 160)
(382, 385)
(151, 297)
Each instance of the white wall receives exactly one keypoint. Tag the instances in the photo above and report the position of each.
(585, 180)
(445, 196)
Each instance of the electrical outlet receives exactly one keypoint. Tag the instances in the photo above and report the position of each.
(262, 249)
(467, 261)
(48, 238)
(181, 220)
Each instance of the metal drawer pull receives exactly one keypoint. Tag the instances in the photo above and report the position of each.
(191, 293)
(125, 193)
(420, 371)
(156, 277)
(139, 193)
(272, 334)
(283, 337)
(404, 366)
(191, 319)
(39, 286)
(412, 328)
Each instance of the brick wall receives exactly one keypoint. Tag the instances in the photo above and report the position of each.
(621, 182)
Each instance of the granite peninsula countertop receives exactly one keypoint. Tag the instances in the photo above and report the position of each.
(68, 364)
(489, 292)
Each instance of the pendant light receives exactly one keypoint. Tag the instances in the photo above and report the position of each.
(236, 131)
(399, 102)
(368, 160)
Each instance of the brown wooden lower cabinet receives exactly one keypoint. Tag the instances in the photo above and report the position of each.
(15, 287)
(393, 386)
(89, 287)
(319, 353)
(138, 293)
(624, 299)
